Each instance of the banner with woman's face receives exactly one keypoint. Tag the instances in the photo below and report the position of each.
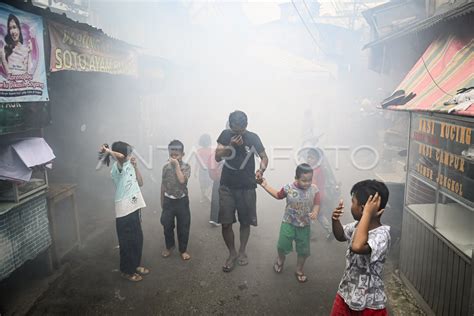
(22, 63)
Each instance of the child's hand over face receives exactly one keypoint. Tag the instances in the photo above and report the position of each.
(338, 211)
(174, 162)
(372, 206)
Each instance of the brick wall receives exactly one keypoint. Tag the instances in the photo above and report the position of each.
(24, 233)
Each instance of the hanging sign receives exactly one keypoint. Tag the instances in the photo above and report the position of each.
(79, 50)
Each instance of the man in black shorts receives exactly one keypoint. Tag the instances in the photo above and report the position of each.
(238, 147)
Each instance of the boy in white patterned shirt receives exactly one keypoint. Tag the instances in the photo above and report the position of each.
(361, 290)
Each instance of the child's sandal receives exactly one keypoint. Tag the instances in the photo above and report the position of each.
(301, 277)
(132, 277)
(185, 256)
(166, 252)
(278, 267)
(143, 270)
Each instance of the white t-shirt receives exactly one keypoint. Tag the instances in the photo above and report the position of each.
(128, 197)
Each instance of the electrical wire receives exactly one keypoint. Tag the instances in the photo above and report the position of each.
(428, 71)
(312, 18)
(307, 28)
(433, 79)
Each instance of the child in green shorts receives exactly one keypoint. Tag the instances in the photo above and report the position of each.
(302, 206)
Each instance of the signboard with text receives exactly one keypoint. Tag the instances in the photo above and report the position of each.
(441, 152)
(79, 50)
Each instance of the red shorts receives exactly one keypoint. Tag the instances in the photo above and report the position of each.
(340, 308)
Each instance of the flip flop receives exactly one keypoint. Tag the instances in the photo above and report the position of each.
(166, 252)
(229, 265)
(185, 256)
(278, 268)
(143, 270)
(132, 277)
(243, 261)
(301, 277)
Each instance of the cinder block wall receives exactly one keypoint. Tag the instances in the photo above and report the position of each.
(24, 233)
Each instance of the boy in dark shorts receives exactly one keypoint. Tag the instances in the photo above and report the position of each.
(175, 201)
(361, 290)
(302, 206)
(238, 147)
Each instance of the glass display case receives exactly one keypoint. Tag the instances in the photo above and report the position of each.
(440, 177)
(15, 191)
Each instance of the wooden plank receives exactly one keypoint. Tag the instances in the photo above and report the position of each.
(436, 296)
(413, 254)
(454, 284)
(53, 232)
(443, 275)
(432, 269)
(411, 262)
(449, 280)
(409, 248)
(466, 296)
(417, 257)
(404, 244)
(429, 263)
(57, 193)
(460, 286)
(423, 262)
(408, 254)
(55, 189)
(76, 219)
(471, 284)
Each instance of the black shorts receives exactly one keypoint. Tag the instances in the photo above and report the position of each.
(242, 200)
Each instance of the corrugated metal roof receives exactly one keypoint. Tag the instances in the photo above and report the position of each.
(61, 18)
(417, 26)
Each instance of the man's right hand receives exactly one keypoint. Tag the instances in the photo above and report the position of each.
(236, 140)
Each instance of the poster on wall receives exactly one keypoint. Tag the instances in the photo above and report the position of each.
(79, 50)
(22, 66)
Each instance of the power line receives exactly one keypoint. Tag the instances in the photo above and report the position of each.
(312, 18)
(429, 73)
(307, 28)
(433, 79)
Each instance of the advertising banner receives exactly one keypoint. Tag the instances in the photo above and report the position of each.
(22, 63)
(78, 50)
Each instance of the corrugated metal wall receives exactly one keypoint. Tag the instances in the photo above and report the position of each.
(441, 275)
